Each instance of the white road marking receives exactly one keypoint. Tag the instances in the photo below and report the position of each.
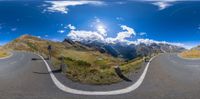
(11, 54)
(112, 92)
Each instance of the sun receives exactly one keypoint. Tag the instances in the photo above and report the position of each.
(101, 29)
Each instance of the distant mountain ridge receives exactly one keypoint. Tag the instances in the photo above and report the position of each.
(131, 51)
(197, 47)
(121, 50)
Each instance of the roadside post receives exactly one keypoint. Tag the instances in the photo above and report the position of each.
(62, 65)
(49, 48)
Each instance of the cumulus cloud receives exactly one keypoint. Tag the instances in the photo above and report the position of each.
(13, 29)
(150, 41)
(163, 4)
(128, 32)
(61, 31)
(125, 34)
(100, 35)
(122, 36)
(85, 35)
(71, 27)
(38, 36)
(101, 29)
(46, 35)
(119, 18)
(61, 6)
(142, 33)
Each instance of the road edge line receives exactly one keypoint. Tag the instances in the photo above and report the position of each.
(11, 54)
(82, 92)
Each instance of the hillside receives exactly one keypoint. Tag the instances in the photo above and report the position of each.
(3, 53)
(85, 64)
(192, 53)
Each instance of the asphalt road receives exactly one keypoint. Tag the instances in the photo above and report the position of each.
(168, 77)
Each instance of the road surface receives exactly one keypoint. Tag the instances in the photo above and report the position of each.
(168, 77)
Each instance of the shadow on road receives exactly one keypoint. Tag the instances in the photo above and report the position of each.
(54, 71)
(34, 59)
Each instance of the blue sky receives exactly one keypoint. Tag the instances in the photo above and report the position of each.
(175, 22)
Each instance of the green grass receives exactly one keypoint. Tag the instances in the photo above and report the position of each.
(98, 74)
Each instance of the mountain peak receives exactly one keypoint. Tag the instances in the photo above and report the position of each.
(68, 41)
(25, 36)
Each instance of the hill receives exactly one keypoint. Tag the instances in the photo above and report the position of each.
(85, 64)
(192, 53)
(3, 53)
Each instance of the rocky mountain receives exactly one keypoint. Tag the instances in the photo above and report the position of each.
(197, 48)
(132, 51)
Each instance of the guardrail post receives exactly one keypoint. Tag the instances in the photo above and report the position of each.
(49, 48)
(63, 66)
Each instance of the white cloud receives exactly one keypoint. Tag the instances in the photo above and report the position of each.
(125, 34)
(61, 31)
(71, 27)
(119, 18)
(82, 35)
(38, 36)
(13, 29)
(100, 35)
(61, 6)
(46, 36)
(150, 41)
(142, 33)
(162, 4)
(101, 29)
(122, 36)
(85, 36)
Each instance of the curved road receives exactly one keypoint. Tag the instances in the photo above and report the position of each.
(168, 77)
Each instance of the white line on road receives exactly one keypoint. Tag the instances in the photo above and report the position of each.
(10, 54)
(112, 92)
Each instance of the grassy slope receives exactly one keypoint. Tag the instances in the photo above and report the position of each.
(3, 53)
(84, 64)
(191, 54)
